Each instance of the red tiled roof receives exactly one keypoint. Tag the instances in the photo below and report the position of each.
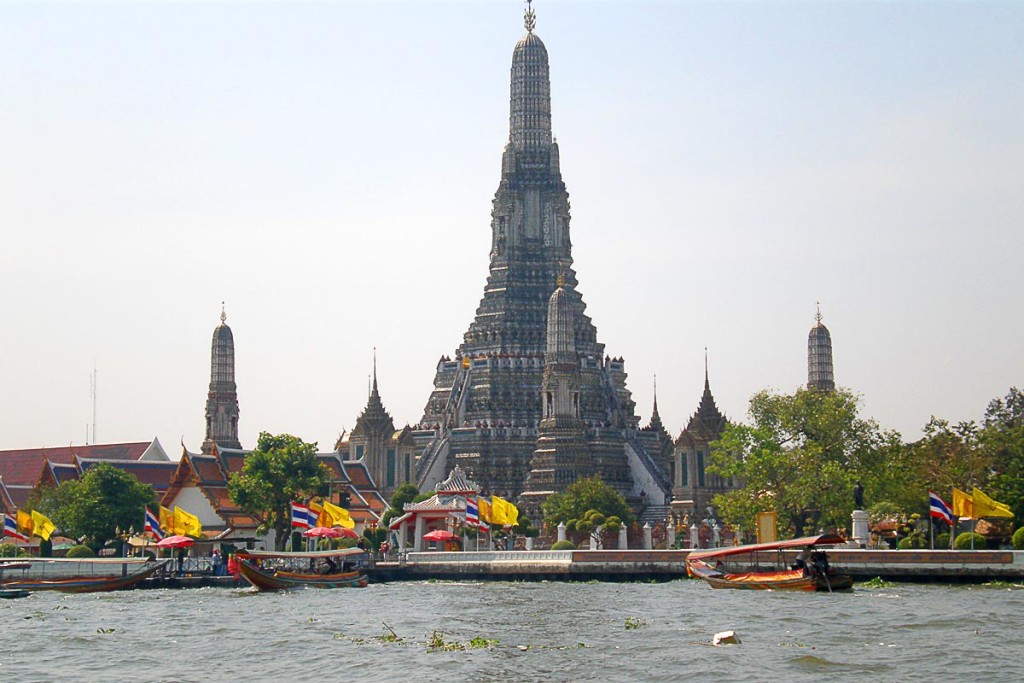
(5, 498)
(19, 494)
(22, 467)
(358, 474)
(333, 463)
(207, 469)
(375, 501)
(156, 473)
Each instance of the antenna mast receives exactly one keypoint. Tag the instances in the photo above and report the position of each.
(92, 390)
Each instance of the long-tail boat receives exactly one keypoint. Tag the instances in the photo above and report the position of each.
(272, 571)
(810, 571)
(76, 575)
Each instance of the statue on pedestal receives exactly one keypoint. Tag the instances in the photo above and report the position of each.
(858, 497)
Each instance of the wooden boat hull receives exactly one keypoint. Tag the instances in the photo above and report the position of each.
(85, 584)
(284, 580)
(785, 580)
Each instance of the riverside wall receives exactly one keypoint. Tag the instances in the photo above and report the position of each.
(944, 566)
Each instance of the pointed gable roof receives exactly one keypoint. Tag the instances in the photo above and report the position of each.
(708, 422)
(374, 419)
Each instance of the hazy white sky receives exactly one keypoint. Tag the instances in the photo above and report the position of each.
(327, 169)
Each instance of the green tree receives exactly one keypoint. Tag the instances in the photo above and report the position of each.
(105, 504)
(404, 494)
(583, 496)
(802, 456)
(283, 468)
(1002, 439)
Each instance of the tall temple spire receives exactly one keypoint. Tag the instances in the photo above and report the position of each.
(485, 408)
(374, 390)
(820, 375)
(222, 398)
(654, 413)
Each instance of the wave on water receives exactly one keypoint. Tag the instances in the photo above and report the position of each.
(815, 664)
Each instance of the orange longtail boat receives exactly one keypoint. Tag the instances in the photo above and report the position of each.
(811, 572)
(273, 571)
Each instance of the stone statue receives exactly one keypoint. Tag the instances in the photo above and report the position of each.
(858, 497)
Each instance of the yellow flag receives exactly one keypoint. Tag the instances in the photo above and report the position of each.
(186, 523)
(323, 518)
(963, 504)
(25, 524)
(167, 522)
(42, 526)
(485, 510)
(504, 512)
(339, 516)
(986, 507)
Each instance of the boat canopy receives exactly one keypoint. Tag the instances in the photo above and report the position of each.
(794, 543)
(316, 554)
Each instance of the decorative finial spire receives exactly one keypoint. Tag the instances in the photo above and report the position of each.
(530, 18)
(817, 316)
(223, 314)
(560, 280)
(707, 384)
(374, 369)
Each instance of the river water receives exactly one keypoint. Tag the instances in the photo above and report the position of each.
(539, 631)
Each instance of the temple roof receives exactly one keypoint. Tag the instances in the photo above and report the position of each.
(457, 482)
(374, 419)
(707, 423)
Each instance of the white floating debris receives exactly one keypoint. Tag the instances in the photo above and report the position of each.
(725, 638)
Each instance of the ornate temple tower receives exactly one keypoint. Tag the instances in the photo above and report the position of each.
(561, 455)
(819, 357)
(222, 399)
(694, 487)
(486, 407)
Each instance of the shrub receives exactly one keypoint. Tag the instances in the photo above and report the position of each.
(911, 542)
(10, 550)
(963, 541)
(1018, 539)
(564, 545)
(80, 551)
(942, 541)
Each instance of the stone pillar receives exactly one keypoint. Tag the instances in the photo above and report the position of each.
(716, 537)
(694, 538)
(670, 538)
(403, 529)
(417, 540)
(529, 543)
(593, 541)
(647, 536)
(861, 534)
(561, 531)
(623, 537)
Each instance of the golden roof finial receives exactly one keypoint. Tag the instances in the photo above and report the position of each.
(560, 280)
(223, 314)
(530, 18)
(817, 316)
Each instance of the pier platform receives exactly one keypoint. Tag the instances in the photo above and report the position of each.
(941, 566)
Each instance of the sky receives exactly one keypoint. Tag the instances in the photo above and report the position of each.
(326, 169)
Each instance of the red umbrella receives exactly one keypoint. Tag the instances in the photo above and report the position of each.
(439, 535)
(330, 532)
(176, 542)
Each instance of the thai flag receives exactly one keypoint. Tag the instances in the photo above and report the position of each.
(301, 515)
(472, 513)
(153, 525)
(938, 508)
(11, 529)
